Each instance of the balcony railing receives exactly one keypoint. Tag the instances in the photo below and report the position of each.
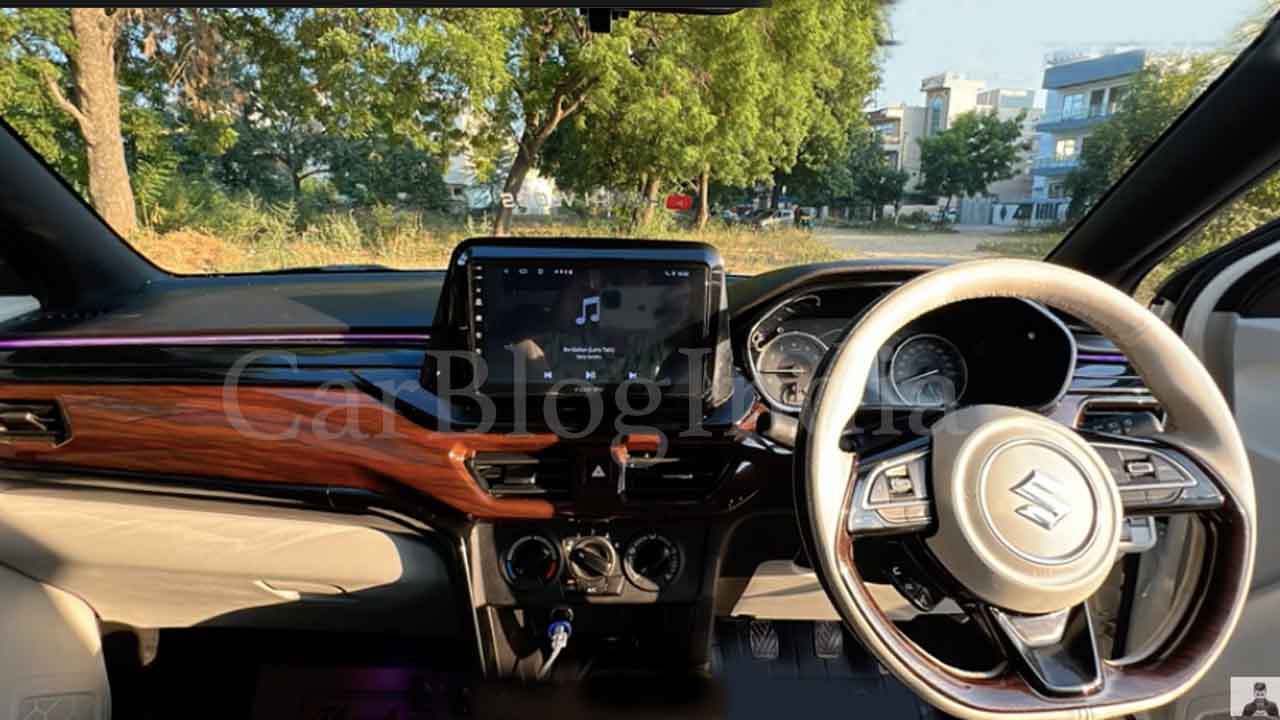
(1056, 162)
(1080, 116)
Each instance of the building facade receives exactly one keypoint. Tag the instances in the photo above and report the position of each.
(1082, 92)
(900, 128)
(948, 95)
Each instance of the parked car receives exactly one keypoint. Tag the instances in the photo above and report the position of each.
(774, 219)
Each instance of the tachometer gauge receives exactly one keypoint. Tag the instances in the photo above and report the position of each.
(928, 370)
(786, 366)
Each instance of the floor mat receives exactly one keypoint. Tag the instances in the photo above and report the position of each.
(382, 693)
(788, 675)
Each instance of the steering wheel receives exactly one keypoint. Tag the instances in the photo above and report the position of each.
(1023, 515)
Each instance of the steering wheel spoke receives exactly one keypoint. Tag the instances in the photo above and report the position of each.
(1055, 653)
(891, 492)
(1156, 479)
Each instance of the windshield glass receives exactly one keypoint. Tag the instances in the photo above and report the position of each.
(251, 140)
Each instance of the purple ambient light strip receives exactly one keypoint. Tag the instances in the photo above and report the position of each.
(28, 343)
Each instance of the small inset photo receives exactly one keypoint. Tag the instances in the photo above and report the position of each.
(1255, 696)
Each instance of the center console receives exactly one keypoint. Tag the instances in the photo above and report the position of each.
(609, 364)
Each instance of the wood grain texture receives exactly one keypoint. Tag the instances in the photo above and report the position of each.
(330, 436)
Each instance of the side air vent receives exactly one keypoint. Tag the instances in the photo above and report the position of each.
(1139, 415)
(512, 474)
(32, 420)
(1101, 368)
(1117, 400)
(673, 478)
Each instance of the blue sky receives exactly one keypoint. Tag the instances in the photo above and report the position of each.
(1004, 41)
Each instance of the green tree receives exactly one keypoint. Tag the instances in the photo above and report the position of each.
(379, 172)
(977, 150)
(85, 60)
(871, 178)
(731, 100)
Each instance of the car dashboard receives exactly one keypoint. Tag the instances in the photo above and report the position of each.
(324, 392)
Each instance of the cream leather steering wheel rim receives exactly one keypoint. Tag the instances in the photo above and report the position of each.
(1024, 513)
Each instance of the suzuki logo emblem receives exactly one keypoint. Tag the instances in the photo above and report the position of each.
(1045, 495)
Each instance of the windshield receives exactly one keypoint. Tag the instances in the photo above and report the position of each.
(252, 140)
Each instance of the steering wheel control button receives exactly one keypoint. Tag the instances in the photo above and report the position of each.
(1028, 515)
(892, 495)
(1153, 479)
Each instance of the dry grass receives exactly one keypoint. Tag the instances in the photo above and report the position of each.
(411, 243)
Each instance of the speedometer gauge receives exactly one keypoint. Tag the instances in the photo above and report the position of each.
(928, 370)
(786, 366)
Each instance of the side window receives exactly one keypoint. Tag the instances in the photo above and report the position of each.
(1255, 208)
(15, 295)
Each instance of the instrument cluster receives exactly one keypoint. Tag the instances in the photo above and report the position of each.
(955, 355)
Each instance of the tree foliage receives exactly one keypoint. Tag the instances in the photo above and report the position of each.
(367, 104)
(977, 150)
(858, 175)
(1158, 94)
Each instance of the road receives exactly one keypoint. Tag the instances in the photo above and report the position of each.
(962, 243)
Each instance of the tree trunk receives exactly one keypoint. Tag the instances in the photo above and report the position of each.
(637, 211)
(650, 201)
(775, 196)
(97, 112)
(520, 168)
(704, 195)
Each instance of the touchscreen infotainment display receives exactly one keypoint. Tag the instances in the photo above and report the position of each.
(588, 322)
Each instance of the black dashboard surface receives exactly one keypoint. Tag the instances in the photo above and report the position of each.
(322, 302)
(318, 302)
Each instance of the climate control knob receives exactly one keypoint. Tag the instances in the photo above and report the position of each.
(652, 562)
(592, 559)
(531, 561)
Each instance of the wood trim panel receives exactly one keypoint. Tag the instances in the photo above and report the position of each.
(331, 436)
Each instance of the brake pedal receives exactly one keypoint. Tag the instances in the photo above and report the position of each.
(764, 640)
(828, 639)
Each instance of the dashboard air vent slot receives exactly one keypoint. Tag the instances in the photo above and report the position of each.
(32, 420)
(670, 478)
(508, 474)
(1101, 368)
(1116, 416)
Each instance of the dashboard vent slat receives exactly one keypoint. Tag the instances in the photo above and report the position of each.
(514, 474)
(32, 420)
(672, 478)
(1101, 368)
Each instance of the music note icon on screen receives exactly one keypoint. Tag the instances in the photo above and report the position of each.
(589, 302)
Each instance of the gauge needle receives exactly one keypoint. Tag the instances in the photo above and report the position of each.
(784, 371)
(921, 376)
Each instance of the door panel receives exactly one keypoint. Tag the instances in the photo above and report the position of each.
(1241, 349)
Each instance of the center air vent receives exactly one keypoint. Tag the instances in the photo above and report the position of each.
(673, 478)
(507, 474)
(32, 420)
